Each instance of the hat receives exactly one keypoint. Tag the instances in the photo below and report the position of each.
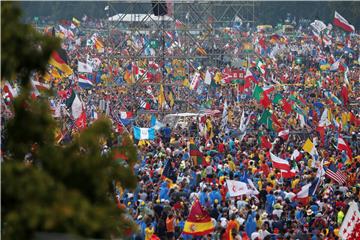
(254, 207)
(309, 212)
(264, 215)
(139, 217)
(319, 214)
(234, 209)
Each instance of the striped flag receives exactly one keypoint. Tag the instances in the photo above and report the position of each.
(335, 174)
(343, 146)
(279, 163)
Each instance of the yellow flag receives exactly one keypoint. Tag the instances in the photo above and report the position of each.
(217, 77)
(186, 83)
(171, 99)
(55, 73)
(308, 146)
(161, 97)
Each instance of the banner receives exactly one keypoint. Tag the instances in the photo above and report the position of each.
(236, 188)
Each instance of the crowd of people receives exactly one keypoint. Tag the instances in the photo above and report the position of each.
(291, 90)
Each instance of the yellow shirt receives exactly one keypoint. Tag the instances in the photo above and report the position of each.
(149, 231)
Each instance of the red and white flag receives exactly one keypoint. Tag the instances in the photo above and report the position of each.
(279, 163)
(350, 227)
(236, 188)
(296, 155)
(341, 22)
(342, 145)
(81, 121)
(126, 115)
(284, 134)
(9, 91)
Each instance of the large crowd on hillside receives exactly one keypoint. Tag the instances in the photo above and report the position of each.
(294, 89)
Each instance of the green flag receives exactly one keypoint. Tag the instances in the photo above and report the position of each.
(265, 119)
(277, 98)
(258, 92)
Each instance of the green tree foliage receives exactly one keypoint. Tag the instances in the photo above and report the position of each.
(64, 189)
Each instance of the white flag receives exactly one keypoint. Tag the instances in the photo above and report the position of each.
(207, 78)
(83, 67)
(318, 25)
(352, 217)
(237, 188)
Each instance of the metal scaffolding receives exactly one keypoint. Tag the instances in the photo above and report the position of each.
(202, 35)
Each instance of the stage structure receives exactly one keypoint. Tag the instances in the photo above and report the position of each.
(187, 35)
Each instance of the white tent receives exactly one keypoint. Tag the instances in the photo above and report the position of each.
(122, 17)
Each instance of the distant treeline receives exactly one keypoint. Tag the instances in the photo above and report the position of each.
(266, 12)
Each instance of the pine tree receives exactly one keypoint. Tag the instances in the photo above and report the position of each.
(47, 187)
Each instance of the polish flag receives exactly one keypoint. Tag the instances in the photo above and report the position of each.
(341, 22)
(279, 163)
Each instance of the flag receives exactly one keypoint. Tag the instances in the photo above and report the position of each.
(126, 115)
(249, 76)
(268, 89)
(279, 163)
(236, 188)
(318, 25)
(145, 105)
(287, 107)
(344, 146)
(287, 174)
(296, 155)
(334, 173)
(171, 98)
(84, 82)
(341, 22)
(144, 133)
(39, 87)
(265, 101)
(154, 123)
(198, 222)
(169, 172)
(59, 60)
(224, 118)
(195, 81)
(310, 148)
(75, 104)
(345, 95)
(350, 227)
(161, 97)
(324, 119)
(258, 93)
(261, 66)
(81, 121)
(265, 143)
(9, 92)
(265, 119)
(284, 134)
(307, 191)
(99, 45)
(207, 78)
(84, 67)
